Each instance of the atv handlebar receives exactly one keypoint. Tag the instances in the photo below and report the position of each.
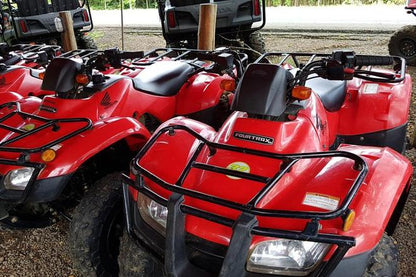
(345, 65)
(340, 65)
(367, 60)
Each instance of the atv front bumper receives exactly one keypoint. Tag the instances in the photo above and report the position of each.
(182, 254)
(37, 191)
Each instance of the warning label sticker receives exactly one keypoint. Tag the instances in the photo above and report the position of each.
(322, 201)
(370, 88)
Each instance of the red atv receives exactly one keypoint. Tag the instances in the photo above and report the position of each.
(298, 181)
(24, 66)
(68, 149)
(403, 41)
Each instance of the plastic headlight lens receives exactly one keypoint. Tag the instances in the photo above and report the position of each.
(286, 257)
(153, 213)
(18, 179)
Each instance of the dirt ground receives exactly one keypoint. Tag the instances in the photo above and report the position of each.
(43, 252)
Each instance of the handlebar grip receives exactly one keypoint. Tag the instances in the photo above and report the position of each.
(363, 60)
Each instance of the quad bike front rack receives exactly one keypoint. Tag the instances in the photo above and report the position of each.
(246, 225)
(24, 153)
(54, 124)
(175, 54)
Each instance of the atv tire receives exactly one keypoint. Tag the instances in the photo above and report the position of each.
(255, 42)
(96, 227)
(85, 42)
(384, 259)
(403, 43)
(134, 261)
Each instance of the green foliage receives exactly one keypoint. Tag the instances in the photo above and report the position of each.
(127, 4)
(141, 4)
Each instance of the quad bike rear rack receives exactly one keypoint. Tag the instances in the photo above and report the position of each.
(174, 54)
(80, 53)
(246, 225)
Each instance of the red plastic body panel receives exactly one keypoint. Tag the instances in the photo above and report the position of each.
(21, 81)
(83, 147)
(199, 87)
(411, 4)
(371, 107)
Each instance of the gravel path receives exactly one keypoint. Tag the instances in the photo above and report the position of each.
(44, 252)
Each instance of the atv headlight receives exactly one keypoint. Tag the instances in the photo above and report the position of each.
(18, 179)
(153, 213)
(286, 257)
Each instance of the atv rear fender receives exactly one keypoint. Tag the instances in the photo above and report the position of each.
(372, 107)
(387, 181)
(79, 149)
(22, 80)
(201, 92)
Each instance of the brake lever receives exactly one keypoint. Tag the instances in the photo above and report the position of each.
(375, 73)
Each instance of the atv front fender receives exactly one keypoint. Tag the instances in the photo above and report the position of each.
(71, 154)
(77, 150)
(387, 180)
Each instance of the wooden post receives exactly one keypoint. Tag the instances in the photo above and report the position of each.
(68, 37)
(206, 28)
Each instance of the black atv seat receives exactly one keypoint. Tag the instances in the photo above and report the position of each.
(331, 93)
(31, 7)
(163, 78)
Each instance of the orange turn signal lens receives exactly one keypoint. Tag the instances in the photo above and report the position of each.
(82, 79)
(348, 220)
(228, 85)
(301, 93)
(48, 155)
(41, 75)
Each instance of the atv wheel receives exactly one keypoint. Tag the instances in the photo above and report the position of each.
(85, 42)
(403, 43)
(256, 41)
(96, 228)
(134, 261)
(384, 259)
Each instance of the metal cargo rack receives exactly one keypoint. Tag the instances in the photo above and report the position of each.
(54, 124)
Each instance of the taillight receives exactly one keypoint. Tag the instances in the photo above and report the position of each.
(23, 26)
(171, 19)
(256, 7)
(86, 17)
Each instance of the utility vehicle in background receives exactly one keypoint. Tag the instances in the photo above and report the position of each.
(403, 41)
(305, 178)
(238, 23)
(67, 150)
(33, 21)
